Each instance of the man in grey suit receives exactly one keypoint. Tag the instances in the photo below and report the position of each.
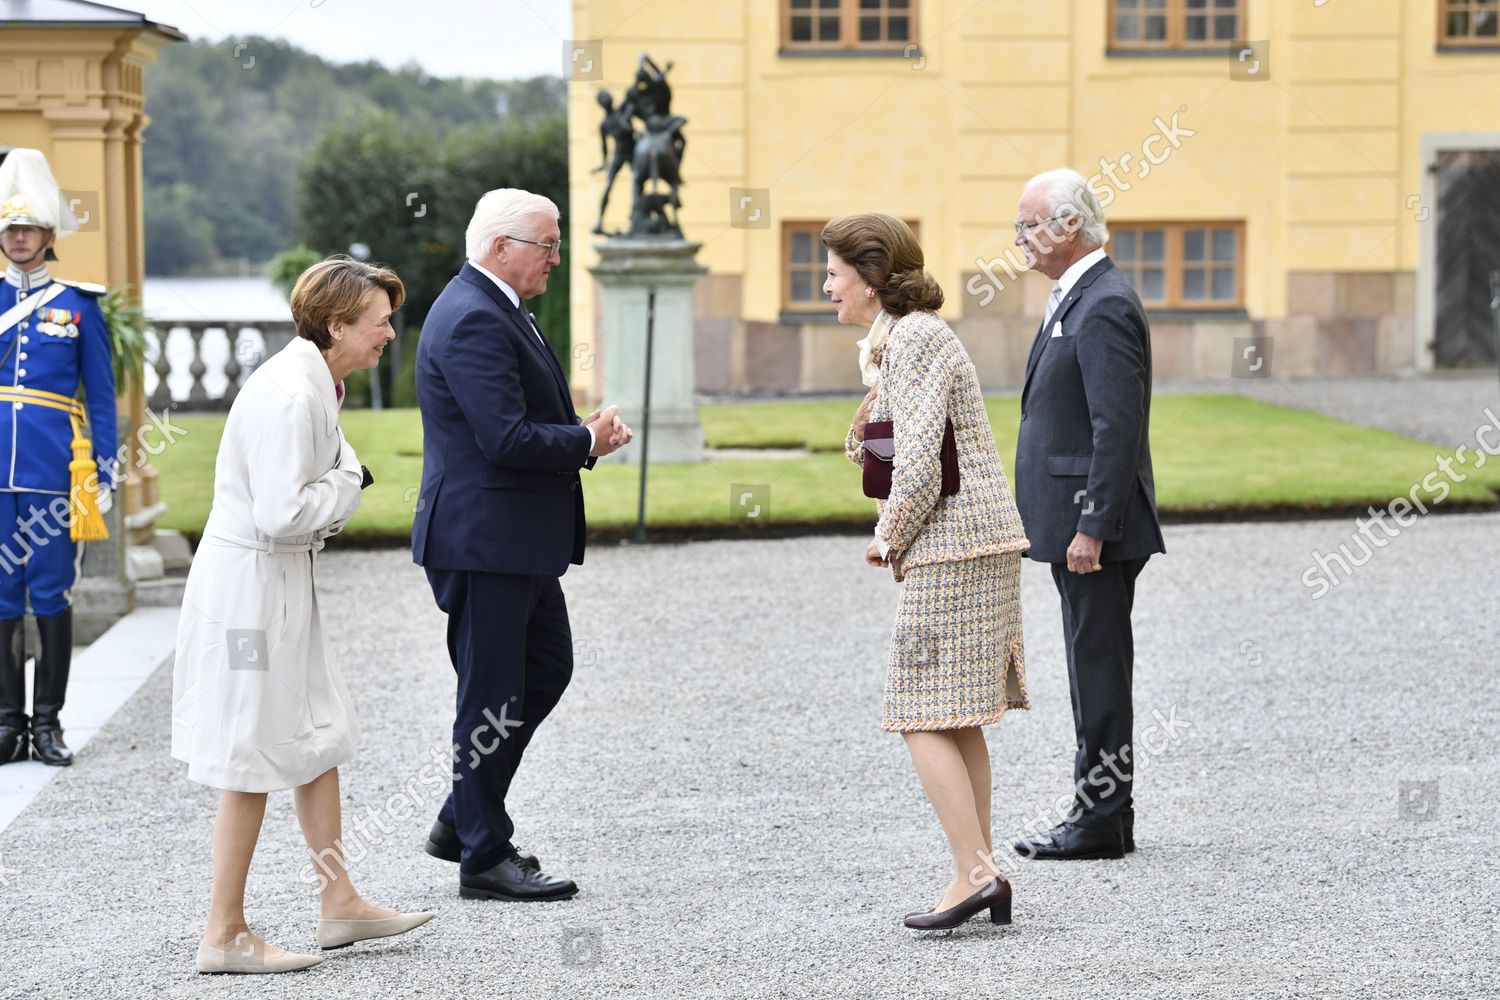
(1086, 495)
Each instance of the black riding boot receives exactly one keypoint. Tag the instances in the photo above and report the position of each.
(14, 736)
(52, 665)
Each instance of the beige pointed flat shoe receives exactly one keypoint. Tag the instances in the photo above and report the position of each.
(217, 960)
(342, 933)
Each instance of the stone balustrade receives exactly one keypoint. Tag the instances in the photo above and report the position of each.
(205, 362)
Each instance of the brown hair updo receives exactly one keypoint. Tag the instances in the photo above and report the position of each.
(886, 254)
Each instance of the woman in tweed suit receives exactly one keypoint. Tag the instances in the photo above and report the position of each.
(956, 658)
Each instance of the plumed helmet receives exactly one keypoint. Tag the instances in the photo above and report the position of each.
(29, 195)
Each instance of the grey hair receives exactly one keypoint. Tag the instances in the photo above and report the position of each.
(1069, 196)
(503, 212)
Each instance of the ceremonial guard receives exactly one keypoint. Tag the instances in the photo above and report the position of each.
(57, 453)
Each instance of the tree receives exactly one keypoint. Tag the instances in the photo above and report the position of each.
(375, 181)
(234, 121)
(179, 238)
(286, 267)
(529, 154)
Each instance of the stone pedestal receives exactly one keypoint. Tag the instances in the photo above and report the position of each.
(629, 267)
(101, 595)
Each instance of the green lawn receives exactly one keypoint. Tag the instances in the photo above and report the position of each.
(1212, 453)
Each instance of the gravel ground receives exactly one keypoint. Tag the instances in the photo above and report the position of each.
(716, 781)
(1445, 409)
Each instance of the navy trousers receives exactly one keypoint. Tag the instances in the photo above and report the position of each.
(1101, 662)
(37, 555)
(512, 647)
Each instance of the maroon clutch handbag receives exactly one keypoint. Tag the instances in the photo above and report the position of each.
(880, 458)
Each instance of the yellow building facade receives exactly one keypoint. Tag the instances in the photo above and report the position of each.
(1302, 181)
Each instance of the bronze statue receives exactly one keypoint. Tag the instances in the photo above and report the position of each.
(617, 126)
(654, 154)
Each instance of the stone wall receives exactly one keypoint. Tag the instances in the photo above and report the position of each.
(1349, 323)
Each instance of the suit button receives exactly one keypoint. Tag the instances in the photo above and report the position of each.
(23, 355)
(19, 405)
(25, 340)
(21, 373)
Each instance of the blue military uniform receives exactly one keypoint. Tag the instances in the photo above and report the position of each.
(54, 348)
(53, 339)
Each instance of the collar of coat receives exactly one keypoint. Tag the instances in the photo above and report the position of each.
(524, 324)
(1084, 281)
(302, 356)
(486, 284)
(1087, 279)
(27, 280)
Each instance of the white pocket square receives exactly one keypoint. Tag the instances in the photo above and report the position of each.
(1057, 330)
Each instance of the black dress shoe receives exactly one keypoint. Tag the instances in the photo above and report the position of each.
(443, 844)
(1071, 842)
(15, 744)
(994, 897)
(509, 880)
(53, 663)
(15, 727)
(47, 743)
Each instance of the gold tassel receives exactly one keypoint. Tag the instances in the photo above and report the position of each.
(83, 503)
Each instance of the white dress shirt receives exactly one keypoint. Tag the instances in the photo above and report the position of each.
(515, 300)
(1071, 275)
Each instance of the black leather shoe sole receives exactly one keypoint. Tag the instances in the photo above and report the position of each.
(1100, 854)
(1071, 842)
(476, 892)
(1050, 851)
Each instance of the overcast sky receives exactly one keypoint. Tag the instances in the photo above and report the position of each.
(499, 39)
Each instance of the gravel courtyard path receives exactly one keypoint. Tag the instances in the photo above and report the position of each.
(1323, 823)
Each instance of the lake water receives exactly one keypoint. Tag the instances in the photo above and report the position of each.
(236, 301)
(244, 300)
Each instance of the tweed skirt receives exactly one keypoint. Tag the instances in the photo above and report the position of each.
(957, 657)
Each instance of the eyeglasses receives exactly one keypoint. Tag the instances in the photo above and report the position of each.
(552, 248)
(1024, 227)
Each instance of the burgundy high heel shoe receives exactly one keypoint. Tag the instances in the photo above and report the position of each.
(994, 897)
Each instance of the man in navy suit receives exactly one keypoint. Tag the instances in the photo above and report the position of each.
(1086, 494)
(499, 519)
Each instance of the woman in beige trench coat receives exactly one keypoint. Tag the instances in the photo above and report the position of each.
(258, 701)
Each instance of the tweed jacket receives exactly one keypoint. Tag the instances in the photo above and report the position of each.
(927, 378)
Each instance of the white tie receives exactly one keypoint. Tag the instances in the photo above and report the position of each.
(1052, 303)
